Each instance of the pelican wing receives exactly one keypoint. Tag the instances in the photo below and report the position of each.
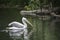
(16, 24)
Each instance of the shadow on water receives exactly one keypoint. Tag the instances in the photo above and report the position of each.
(54, 28)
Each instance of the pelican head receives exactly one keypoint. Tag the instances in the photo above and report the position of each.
(25, 20)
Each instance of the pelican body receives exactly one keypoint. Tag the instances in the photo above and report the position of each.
(18, 29)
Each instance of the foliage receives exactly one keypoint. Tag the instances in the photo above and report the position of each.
(14, 2)
(55, 3)
(27, 7)
(36, 4)
(33, 4)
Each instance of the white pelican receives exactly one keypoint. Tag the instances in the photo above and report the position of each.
(18, 29)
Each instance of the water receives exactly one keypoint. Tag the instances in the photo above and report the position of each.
(7, 15)
(43, 30)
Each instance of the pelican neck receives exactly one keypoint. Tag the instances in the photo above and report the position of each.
(24, 23)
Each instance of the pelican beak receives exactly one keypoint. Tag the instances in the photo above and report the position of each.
(29, 23)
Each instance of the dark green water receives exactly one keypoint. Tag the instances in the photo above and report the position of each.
(44, 30)
(7, 15)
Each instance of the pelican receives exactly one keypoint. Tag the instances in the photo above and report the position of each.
(18, 29)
